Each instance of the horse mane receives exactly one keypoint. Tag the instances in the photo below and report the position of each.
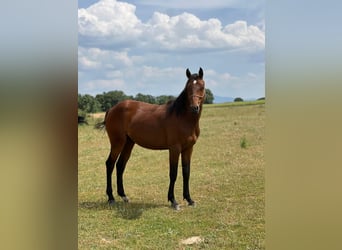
(178, 105)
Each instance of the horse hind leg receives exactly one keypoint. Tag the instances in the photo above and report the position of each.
(110, 163)
(109, 170)
(120, 168)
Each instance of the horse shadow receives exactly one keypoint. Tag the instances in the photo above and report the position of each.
(126, 210)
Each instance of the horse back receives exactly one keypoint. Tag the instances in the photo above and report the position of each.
(144, 123)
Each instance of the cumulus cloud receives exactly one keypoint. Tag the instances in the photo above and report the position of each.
(117, 50)
(111, 23)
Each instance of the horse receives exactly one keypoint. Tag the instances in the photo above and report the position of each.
(173, 126)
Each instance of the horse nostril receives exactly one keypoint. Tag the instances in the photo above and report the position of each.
(195, 109)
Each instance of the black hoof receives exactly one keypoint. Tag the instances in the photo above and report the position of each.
(192, 203)
(175, 206)
(111, 202)
(125, 198)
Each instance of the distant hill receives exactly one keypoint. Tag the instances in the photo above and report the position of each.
(222, 99)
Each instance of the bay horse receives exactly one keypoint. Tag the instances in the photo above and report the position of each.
(173, 126)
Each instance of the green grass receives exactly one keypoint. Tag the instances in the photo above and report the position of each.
(230, 104)
(227, 183)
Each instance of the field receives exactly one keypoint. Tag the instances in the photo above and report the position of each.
(227, 184)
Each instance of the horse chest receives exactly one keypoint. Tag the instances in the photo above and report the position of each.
(191, 140)
(190, 135)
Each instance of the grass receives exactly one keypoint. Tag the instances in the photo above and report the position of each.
(243, 142)
(227, 183)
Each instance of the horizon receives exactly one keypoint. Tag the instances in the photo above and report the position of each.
(222, 99)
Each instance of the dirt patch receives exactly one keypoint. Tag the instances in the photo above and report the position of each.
(97, 115)
(192, 240)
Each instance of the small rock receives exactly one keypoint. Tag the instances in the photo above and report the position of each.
(192, 240)
(105, 241)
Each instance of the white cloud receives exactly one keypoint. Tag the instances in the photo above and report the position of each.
(109, 19)
(119, 51)
(110, 23)
(203, 4)
(227, 84)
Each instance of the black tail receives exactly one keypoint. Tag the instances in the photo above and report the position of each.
(101, 125)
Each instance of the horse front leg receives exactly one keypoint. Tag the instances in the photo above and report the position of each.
(186, 159)
(174, 156)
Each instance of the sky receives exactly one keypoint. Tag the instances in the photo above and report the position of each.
(146, 46)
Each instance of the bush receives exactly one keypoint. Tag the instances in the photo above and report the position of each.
(82, 117)
(238, 99)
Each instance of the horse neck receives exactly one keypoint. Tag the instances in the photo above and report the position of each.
(177, 107)
(192, 118)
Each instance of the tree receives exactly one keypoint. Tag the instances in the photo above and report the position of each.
(162, 99)
(209, 97)
(109, 99)
(238, 99)
(145, 98)
(88, 103)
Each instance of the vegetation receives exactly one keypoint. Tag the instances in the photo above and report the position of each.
(236, 104)
(238, 99)
(106, 100)
(243, 142)
(227, 183)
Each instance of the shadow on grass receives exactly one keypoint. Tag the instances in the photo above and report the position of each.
(128, 211)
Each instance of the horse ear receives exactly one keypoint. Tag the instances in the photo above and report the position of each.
(188, 73)
(200, 72)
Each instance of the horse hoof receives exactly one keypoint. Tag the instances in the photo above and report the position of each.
(192, 204)
(111, 202)
(175, 206)
(125, 198)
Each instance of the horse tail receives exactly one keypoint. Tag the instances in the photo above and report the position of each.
(101, 125)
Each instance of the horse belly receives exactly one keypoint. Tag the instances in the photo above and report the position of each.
(148, 135)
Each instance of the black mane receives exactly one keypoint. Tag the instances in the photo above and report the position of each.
(178, 105)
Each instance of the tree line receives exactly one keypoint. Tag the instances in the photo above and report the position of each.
(102, 102)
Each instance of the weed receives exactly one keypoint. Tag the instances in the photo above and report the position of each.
(243, 142)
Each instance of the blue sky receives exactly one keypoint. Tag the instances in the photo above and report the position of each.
(145, 46)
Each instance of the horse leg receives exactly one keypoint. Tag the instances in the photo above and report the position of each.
(173, 158)
(116, 149)
(120, 167)
(109, 167)
(186, 158)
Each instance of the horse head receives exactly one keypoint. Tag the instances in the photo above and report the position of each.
(195, 88)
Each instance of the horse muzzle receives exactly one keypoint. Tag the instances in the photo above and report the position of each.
(195, 109)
